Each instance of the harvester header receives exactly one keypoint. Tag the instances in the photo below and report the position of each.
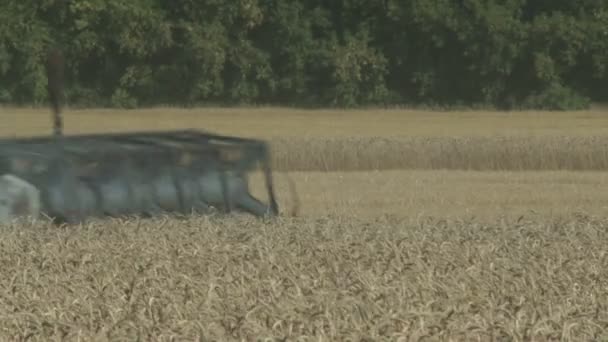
(70, 178)
(139, 173)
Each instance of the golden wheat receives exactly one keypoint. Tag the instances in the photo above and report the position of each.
(376, 255)
(459, 153)
(328, 279)
(371, 140)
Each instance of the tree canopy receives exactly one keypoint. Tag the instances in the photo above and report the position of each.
(549, 54)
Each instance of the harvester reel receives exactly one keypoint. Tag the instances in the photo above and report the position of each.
(137, 173)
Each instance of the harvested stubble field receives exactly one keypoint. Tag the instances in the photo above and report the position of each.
(413, 226)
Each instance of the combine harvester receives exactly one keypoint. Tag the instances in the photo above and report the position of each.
(72, 178)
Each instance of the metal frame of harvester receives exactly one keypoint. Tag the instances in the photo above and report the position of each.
(135, 173)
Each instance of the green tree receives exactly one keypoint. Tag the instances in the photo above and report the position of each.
(506, 53)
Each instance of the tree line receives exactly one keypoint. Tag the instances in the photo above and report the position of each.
(514, 54)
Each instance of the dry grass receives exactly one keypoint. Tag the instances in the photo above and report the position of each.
(371, 140)
(326, 279)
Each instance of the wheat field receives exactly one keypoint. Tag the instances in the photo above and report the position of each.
(338, 140)
(412, 225)
(325, 279)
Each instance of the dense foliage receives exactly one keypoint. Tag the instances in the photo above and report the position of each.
(504, 53)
